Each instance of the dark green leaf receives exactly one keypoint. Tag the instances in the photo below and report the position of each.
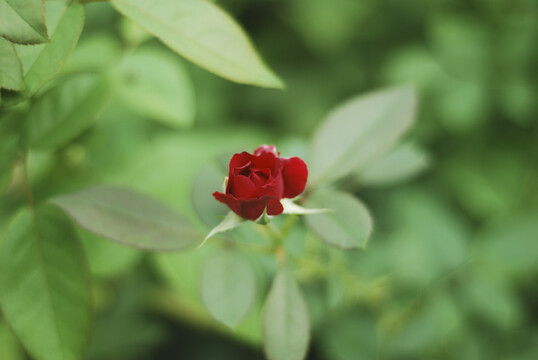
(129, 218)
(45, 285)
(426, 326)
(347, 226)
(228, 287)
(11, 69)
(350, 335)
(360, 131)
(67, 110)
(429, 241)
(203, 33)
(286, 325)
(509, 246)
(9, 146)
(23, 21)
(9, 346)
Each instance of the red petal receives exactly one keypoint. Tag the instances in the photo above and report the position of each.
(247, 209)
(264, 149)
(274, 207)
(294, 175)
(240, 186)
(266, 160)
(275, 188)
(220, 197)
(233, 203)
(252, 209)
(239, 160)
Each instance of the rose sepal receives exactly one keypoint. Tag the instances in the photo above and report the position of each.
(264, 218)
(230, 221)
(292, 208)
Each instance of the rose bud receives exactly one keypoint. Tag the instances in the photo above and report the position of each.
(257, 182)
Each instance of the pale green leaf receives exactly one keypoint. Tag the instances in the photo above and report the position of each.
(154, 84)
(94, 53)
(293, 209)
(348, 226)
(66, 111)
(129, 218)
(286, 325)
(204, 34)
(42, 62)
(133, 34)
(11, 69)
(400, 164)
(359, 131)
(230, 221)
(23, 21)
(210, 211)
(45, 285)
(228, 287)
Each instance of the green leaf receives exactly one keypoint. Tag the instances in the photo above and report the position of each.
(45, 285)
(488, 297)
(286, 325)
(9, 346)
(66, 111)
(23, 21)
(508, 246)
(344, 335)
(9, 145)
(11, 69)
(94, 53)
(208, 180)
(428, 326)
(129, 218)
(108, 259)
(400, 164)
(471, 59)
(228, 287)
(348, 226)
(42, 62)
(204, 34)
(428, 241)
(230, 221)
(359, 131)
(154, 84)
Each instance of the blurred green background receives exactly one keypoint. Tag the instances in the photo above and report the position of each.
(452, 269)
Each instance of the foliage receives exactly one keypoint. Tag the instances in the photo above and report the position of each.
(416, 237)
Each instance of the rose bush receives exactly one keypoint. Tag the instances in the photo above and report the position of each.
(258, 181)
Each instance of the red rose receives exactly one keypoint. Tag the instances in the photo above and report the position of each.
(261, 180)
